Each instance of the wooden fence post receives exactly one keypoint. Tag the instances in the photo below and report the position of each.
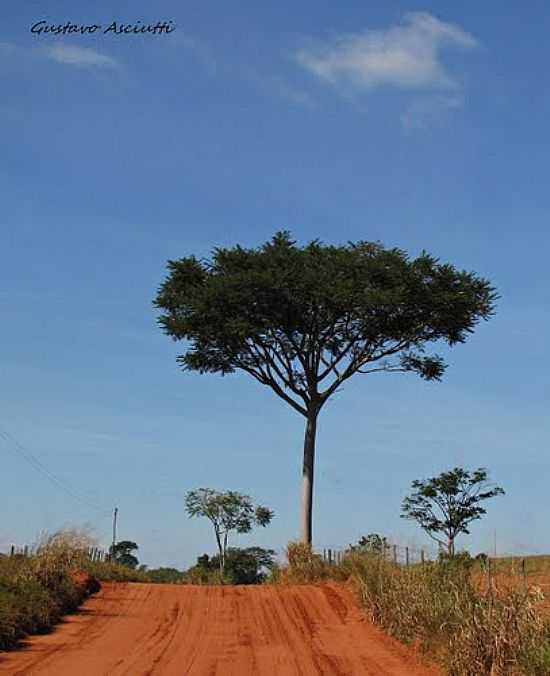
(395, 553)
(12, 550)
(422, 556)
(330, 557)
(26, 551)
(406, 556)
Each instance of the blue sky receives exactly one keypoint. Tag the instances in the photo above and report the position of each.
(420, 125)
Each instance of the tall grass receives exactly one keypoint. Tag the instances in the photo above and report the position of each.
(304, 566)
(437, 607)
(36, 591)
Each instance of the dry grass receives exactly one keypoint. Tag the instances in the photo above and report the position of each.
(471, 629)
(436, 606)
(304, 566)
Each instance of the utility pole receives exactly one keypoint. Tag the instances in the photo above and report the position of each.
(115, 515)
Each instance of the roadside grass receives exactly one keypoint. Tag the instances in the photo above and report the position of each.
(304, 567)
(37, 590)
(439, 608)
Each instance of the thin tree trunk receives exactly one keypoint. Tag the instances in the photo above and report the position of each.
(220, 551)
(451, 546)
(307, 477)
(224, 548)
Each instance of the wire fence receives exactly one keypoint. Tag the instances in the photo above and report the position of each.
(92, 553)
(405, 555)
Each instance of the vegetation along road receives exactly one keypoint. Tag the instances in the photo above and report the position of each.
(177, 630)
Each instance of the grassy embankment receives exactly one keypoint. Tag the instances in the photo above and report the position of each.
(36, 591)
(441, 609)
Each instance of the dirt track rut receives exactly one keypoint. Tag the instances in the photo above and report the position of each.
(166, 630)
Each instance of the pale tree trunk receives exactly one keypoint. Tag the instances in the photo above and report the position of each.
(220, 549)
(224, 548)
(307, 477)
(451, 546)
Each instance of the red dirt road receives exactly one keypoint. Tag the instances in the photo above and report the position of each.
(172, 630)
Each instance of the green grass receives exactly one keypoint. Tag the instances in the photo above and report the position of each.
(30, 601)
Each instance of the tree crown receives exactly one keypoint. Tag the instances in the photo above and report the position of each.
(227, 510)
(448, 503)
(304, 320)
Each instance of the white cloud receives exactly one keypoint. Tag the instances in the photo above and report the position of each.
(79, 56)
(405, 56)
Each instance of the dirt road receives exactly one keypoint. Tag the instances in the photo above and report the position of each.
(168, 630)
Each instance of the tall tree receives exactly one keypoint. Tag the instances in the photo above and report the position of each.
(445, 505)
(227, 511)
(302, 321)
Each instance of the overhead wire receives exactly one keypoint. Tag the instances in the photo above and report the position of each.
(18, 449)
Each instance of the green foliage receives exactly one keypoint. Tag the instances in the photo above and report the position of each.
(242, 566)
(109, 571)
(373, 543)
(292, 317)
(121, 553)
(227, 511)
(448, 503)
(36, 591)
(164, 575)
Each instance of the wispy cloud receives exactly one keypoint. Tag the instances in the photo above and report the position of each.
(79, 56)
(407, 55)
(429, 110)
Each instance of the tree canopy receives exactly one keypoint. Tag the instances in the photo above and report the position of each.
(122, 553)
(242, 565)
(303, 320)
(445, 505)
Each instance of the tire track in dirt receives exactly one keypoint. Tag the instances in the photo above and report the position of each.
(173, 630)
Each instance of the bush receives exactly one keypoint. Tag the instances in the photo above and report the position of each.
(304, 566)
(164, 575)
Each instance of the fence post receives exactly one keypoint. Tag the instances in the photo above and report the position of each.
(395, 553)
(324, 554)
(406, 556)
(12, 550)
(524, 573)
(422, 556)
(330, 556)
(26, 551)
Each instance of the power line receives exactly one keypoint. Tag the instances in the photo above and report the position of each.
(18, 449)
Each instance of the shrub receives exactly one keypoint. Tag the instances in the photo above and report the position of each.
(36, 591)
(304, 566)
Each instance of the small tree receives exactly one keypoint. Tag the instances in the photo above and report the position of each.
(227, 511)
(122, 553)
(448, 503)
(372, 543)
(303, 320)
